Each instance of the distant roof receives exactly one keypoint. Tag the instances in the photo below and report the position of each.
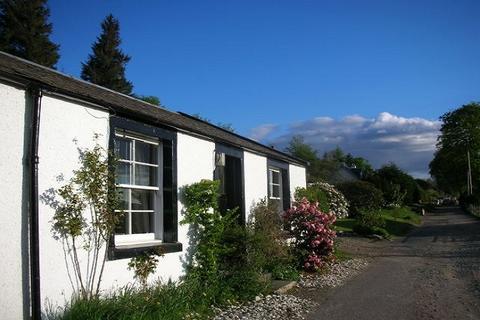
(22, 70)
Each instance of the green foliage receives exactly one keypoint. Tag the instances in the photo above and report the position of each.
(370, 222)
(25, 31)
(386, 222)
(268, 240)
(85, 218)
(313, 193)
(285, 272)
(328, 197)
(170, 301)
(360, 163)
(224, 259)
(398, 187)
(459, 133)
(144, 265)
(362, 196)
(106, 65)
(298, 148)
(150, 99)
(326, 168)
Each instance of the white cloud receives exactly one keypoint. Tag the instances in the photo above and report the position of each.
(409, 142)
(261, 132)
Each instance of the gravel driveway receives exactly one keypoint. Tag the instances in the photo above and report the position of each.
(434, 273)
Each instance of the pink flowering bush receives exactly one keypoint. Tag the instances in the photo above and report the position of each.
(312, 233)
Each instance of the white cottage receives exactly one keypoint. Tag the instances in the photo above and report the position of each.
(43, 111)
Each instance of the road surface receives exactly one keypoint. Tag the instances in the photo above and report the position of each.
(433, 273)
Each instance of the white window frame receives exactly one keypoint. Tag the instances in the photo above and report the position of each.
(271, 184)
(151, 237)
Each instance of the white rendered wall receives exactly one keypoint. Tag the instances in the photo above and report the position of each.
(256, 184)
(298, 178)
(62, 122)
(13, 204)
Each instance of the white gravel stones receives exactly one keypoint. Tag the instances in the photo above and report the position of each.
(269, 307)
(335, 276)
(278, 306)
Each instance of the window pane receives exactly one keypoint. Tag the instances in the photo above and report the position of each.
(121, 227)
(123, 173)
(275, 177)
(145, 152)
(122, 199)
(142, 199)
(142, 222)
(276, 191)
(145, 175)
(122, 148)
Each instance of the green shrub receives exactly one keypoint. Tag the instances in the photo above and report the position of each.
(169, 301)
(145, 264)
(327, 196)
(362, 196)
(370, 222)
(313, 193)
(268, 242)
(285, 272)
(223, 260)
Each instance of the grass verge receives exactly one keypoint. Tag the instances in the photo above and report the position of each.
(398, 221)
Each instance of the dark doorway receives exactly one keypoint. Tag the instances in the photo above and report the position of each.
(229, 172)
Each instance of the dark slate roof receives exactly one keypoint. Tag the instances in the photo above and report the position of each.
(22, 70)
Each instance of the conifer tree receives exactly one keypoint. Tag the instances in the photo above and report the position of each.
(106, 65)
(25, 31)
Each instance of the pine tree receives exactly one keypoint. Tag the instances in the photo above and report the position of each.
(25, 31)
(106, 65)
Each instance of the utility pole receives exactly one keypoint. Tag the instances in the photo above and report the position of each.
(469, 175)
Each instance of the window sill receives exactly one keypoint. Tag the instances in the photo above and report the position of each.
(125, 251)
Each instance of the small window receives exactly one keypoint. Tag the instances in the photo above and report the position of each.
(138, 182)
(275, 184)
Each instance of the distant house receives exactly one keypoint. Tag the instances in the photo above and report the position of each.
(43, 111)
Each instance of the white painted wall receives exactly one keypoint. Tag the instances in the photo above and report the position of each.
(13, 212)
(298, 178)
(62, 122)
(256, 184)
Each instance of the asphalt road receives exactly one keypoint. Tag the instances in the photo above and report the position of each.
(433, 273)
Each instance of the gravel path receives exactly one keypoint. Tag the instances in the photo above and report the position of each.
(434, 273)
(291, 306)
(335, 276)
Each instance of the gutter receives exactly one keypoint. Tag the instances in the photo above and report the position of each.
(35, 300)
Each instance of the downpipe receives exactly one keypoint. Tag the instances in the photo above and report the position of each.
(35, 300)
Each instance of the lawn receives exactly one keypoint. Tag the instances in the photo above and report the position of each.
(399, 221)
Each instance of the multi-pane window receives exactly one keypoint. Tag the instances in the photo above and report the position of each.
(137, 181)
(274, 184)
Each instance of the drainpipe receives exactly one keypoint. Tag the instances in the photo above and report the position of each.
(36, 94)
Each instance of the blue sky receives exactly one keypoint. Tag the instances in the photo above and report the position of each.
(282, 64)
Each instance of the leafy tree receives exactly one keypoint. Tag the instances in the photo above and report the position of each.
(297, 147)
(397, 186)
(336, 155)
(85, 218)
(459, 134)
(150, 99)
(25, 31)
(106, 65)
(360, 163)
